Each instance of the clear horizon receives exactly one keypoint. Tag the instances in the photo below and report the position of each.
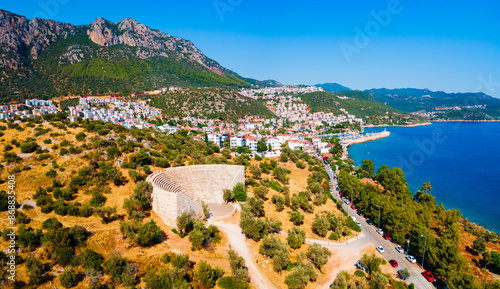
(391, 44)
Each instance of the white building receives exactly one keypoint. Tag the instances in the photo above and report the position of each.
(251, 142)
(237, 141)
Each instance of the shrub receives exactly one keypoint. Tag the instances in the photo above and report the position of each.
(360, 274)
(202, 236)
(120, 269)
(7, 148)
(318, 255)
(320, 226)
(63, 151)
(296, 237)
(29, 147)
(230, 282)
(80, 136)
(279, 202)
(240, 192)
(300, 276)
(43, 157)
(256, 207)
(35, 269)
(11, 157)
(134, 175)
(149, 234)
(208, 276)
(261, 192)
(296, 218)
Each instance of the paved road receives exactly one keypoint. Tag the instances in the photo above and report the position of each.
(373, 238)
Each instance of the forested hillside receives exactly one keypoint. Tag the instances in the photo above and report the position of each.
(208, 103)
(45, 59)
(360, 104)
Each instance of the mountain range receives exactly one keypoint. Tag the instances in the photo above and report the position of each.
(46, 58)
(474, 105)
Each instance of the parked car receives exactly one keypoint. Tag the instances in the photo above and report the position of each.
(346, 201)
(393, 263)
(353, 206)
(411, 259)
(353, 218)
(380, 249)
(386, 236)
(380, 231)
(400, 249)
(360, 213)
(358, 223)
(369, 222)
(428, 276)
(360, 266)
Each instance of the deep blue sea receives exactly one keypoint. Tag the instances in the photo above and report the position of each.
(461, 160)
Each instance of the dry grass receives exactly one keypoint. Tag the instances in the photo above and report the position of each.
(298, 183)
(482, 274)
(105, 238)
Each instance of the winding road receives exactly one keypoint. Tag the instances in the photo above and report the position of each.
(239, 244)
(371, 237)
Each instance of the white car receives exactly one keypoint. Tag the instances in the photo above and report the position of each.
(400, 249)
(346, 201)
(380, 231)
(354, 219)
(411, 259)
(380, 249)
(358, 223)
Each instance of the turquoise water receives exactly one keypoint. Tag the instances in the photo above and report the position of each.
(461, 160)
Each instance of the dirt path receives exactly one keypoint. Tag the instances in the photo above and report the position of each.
(238, 242)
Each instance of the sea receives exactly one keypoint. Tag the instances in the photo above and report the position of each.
(460, 159)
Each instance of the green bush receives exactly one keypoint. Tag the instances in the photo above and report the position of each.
(360, 274)
(230, 282)
(29, 147)
(240, 192)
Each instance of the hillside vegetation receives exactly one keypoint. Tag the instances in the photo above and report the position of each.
(404, 216)
(54, 59)
(360, 104)
(412, 99)
(208, 103)
(108, 69)
(91, 214)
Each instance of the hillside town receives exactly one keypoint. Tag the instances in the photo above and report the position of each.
(31, 108)
(111, 109)
(294, 126)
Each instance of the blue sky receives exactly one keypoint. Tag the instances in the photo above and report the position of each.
(452, 46)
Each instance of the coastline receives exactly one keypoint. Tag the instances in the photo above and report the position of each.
(347, 143)
(379, 135)
(465, 120)
(399, 125)
(475, 220)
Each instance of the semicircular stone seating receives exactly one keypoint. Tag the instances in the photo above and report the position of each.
(180, 189)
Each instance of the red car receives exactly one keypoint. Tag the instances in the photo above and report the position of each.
(353, 206)
(428, 276)
(386, 236)
(393, 263)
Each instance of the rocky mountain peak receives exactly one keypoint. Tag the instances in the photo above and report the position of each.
(128, 24)
(101, 33)
(26, 38)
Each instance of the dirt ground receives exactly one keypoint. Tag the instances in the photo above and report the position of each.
(481, 273)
